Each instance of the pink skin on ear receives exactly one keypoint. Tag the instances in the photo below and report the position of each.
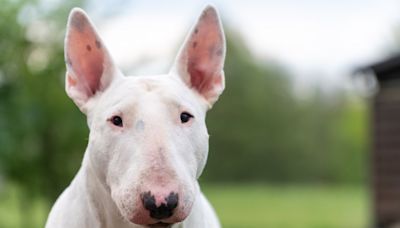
(84, 55)
(203, 56)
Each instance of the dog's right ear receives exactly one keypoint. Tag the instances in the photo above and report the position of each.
(90, 68)
(201, 59)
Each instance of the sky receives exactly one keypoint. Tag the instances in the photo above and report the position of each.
(317, 41)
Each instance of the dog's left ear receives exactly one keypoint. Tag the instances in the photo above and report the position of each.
(201, 58)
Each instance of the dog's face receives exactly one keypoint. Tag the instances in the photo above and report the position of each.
(148, 141)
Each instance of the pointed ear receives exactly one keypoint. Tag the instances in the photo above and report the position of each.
(90, 69)
(201, 58)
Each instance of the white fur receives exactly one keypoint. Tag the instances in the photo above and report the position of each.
(153, 151)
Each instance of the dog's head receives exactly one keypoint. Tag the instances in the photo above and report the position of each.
(148, 141)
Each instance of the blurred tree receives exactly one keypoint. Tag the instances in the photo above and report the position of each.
(42, 133)
(260, 131)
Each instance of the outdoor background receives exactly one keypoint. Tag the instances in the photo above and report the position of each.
(289, 137)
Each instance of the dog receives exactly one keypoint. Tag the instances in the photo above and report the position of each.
(148, 141)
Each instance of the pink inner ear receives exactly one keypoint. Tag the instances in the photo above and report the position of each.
(84, 55)
(202, 80)
(205, 55)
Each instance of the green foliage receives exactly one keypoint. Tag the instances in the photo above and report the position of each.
(42, 133)
(261, 131)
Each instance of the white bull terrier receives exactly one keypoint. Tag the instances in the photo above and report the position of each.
(148, 141)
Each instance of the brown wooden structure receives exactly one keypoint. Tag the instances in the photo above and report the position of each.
(385, 157)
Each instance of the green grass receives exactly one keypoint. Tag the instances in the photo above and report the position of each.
(302, 206)
(15, 212)
(239, 206)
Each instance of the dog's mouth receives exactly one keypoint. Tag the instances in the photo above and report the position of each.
(160, 225)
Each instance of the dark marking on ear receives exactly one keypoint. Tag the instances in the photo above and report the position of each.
(88, 47)
(215, 51)
(212, 50)
(196, 31)
(78, 21)
(219, 52)
(98, 44)
(203, 15)
(194, 45)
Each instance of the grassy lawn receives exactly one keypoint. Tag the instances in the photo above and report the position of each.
(302, 206)
(17, 213)
(238, 206)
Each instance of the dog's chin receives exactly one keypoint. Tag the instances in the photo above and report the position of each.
(160, 225)
(146, 221)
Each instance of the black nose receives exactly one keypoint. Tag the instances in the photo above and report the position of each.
(165, 210)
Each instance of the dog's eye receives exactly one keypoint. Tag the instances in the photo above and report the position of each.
(117, 121)
(185, 117)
